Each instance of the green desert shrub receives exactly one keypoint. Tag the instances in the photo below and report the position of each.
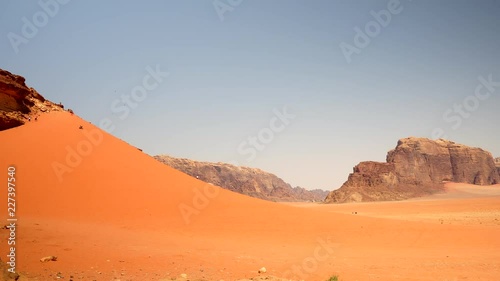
(333, 278)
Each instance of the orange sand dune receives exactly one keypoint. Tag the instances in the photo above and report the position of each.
(116, 213)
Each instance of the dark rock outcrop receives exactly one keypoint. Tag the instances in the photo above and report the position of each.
(417, 166)
(244, 180)
(18, 103)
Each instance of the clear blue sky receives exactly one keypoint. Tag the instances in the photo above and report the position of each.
(227, 76)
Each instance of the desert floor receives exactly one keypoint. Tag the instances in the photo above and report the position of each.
(110, 212)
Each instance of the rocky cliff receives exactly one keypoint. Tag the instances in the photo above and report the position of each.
(18, 103)
(497, 163)
(244, 180)
(417, 166)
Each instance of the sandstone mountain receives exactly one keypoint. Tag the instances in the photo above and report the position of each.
(249, 181)
(18, 103)
(417, 166)
(497, 163)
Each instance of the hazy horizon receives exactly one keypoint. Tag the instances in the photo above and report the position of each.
(266, 84)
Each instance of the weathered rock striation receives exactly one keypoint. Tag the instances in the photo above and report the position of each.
(249, 181)
(497, 163)
(417, 166)
(18, 102)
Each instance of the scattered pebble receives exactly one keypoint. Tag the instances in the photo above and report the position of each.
(48, 258)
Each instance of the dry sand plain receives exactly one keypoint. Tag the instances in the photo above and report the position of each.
(118, 214)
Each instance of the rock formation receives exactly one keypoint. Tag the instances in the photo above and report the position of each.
(497, 163)
(18, 103)
(244, 180)
(417, 166)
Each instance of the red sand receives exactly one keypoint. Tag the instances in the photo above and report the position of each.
(116, 215)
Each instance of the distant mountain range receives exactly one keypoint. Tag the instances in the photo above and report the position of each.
(249, 181)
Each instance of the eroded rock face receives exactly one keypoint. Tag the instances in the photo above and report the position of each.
(417, 166)
(18, 102)
(244, 180)
(497, 163)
